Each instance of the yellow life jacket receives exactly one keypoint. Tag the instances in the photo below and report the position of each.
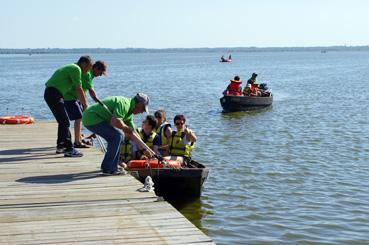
(163, 140)
(149, 141)
(177, 148)
(126, 151)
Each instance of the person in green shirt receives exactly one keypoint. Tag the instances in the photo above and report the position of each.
(73, 105)
(63, 80)
(107, 117)
(252, 79)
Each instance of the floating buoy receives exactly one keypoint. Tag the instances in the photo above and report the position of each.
(152, 164)
(16, 119)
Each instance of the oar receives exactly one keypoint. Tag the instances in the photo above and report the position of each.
(137, 137)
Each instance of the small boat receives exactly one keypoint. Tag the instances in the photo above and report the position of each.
(225, 60)
(232, 103)
(185, 182)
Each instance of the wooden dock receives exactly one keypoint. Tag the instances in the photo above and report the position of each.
(49, 199)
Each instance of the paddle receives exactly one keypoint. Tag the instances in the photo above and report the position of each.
(137, 138)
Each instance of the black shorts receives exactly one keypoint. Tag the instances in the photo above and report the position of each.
(74, 109)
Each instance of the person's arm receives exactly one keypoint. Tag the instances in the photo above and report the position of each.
(92, 93)
(155, 148)
(81, 96)
(190, 135)
(118, 123)
(168, 132)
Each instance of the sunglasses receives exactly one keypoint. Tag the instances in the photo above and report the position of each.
(179, 123)
(158, 116)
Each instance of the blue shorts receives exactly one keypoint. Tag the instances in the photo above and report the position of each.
(74, 109)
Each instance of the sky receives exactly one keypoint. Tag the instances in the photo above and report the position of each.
(182, 23)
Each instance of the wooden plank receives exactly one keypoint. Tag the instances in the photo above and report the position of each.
(48, 199)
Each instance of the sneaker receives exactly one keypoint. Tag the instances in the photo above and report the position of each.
(60, 150)
(110, 173)
(73, 153)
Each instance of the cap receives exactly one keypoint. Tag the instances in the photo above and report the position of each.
(144, 99)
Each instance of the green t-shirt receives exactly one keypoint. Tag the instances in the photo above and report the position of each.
(87, 83)
(65, 78)
(120, 106)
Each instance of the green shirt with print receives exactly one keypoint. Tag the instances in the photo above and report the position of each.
(120, 106)
(65, 78)
(87, 83)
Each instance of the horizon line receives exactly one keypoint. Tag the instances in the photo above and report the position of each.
(239, 47)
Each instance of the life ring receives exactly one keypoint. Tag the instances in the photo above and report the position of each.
(152, 164)
(16, 120)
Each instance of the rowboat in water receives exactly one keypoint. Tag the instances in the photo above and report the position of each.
(232, 103)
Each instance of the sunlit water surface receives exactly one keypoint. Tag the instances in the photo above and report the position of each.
(294, 173)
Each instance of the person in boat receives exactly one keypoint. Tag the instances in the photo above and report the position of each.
(252, 79)
(65, 79)
(74, 107)
(230, 57)
(234, 88)
(164, 131)
(106, 119)
(148, 136)
(126, 151)
(182, 141)
(222, 59)
(251, 90)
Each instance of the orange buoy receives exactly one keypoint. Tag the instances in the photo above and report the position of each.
(16, 119)
(152, 164)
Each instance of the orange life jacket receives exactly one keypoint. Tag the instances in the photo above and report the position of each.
(234, 88)
(254, 89)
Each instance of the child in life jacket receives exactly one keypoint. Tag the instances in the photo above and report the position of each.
(234, 88)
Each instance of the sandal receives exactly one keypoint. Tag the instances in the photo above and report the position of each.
(80, 145)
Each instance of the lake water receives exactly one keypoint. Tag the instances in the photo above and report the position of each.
(296, 173)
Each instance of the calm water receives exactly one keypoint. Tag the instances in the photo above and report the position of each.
(294, 173)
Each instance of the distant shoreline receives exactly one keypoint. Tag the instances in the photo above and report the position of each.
(184, 50)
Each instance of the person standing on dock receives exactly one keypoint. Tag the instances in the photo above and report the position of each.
(74, 106)
(63, 80)
(109, 115)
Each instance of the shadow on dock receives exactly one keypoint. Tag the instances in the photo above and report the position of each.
(26, 154)
(60, 178)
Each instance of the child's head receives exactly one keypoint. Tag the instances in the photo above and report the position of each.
(149, 123)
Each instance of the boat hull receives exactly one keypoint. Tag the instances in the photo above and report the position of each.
(244, 103)
(184, 183)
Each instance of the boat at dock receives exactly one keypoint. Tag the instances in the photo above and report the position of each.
(184, 182)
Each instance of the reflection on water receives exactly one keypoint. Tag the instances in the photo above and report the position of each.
(193, 209)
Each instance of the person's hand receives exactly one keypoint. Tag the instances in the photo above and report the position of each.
(127, 130)
(123, 165)
(143, 157)
(148, 154)
(164, 147)
(84, 107)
